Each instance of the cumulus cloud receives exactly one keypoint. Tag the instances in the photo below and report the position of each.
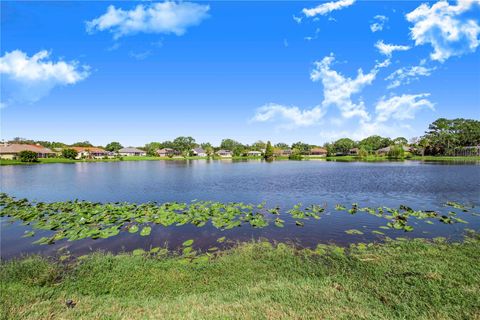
(379, 23)
(402, 107)
(166, 17)
(28, 79)
(406, 75)
(338, 89)
(387, 49)
(327, 7)
(446, 28)
(292, 114)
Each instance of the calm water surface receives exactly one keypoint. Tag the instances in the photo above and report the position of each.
(419, 185)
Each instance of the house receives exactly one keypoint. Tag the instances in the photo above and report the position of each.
(354, 152)
(130, 151)
(318, 152)
(199, 152)
(167, 152)
(224, 153)
(11, 150)
(254, 154)
(386, 150)
(470, 151)
(89, 152)
(282, 153)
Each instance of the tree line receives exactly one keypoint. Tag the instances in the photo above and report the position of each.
(443, 137)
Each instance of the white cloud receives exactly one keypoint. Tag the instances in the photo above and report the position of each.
(297, 19)
(327, 7)
(166, 17)
(379, 24)
(407, 74)
(445, 28)
(338, 89)
(401, 107)
(27, 79)
(387, 49)
(293, 115)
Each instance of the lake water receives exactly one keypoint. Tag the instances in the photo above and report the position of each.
(425, 186)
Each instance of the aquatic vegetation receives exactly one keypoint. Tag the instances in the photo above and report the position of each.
(75, 220)
(353, 231)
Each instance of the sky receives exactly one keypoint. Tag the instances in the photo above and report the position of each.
(284, 71)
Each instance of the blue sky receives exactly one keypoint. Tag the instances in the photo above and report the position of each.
(285, 71)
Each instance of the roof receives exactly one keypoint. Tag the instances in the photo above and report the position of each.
(16, 148)
(254, 151)
(131, 150)
(88, 149)
(224, 151)
(199, 150)
(166, 150)
(318, 150)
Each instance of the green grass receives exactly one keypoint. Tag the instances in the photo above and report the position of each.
(445, 158)
(411, 279)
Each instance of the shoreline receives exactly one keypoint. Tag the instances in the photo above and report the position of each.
(474, 159)
(254, 280)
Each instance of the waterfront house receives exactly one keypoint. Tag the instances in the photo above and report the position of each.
(354, 151)
(282, 153)
(254, 154)
(168, 152)
(318, 152)
(386, 150)
(130, 151)
(224, 153)
(89, 152)
(11, 151)
(199, 152)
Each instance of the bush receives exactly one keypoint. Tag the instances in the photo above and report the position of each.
(362, 153)
(28, 156)
(69, 153)
(295, 156)
(396, 152)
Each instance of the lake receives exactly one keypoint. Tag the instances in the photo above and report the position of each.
(420, 185)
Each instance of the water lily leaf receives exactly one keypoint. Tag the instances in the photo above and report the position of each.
(299, 223)
(146, 231)
(408, 228)
(155, 250)
(221, 239)
(353, 231)
(28, 234)
(138, 252)
(377, 232)
(279, 222)
(187, 250)
(188, 243)
(201, 259)
(133, 229)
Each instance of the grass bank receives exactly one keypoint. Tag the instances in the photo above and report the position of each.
(397, 280)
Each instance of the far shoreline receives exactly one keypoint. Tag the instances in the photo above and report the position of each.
(473, 159)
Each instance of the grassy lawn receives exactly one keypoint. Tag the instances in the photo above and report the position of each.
(444, 158)
(398, 280)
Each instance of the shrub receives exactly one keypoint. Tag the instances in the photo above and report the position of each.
(396, 151)
(69, 153)
(295, 156)
(28, 156)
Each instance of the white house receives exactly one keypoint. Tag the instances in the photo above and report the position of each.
(199, 152)
(130, 151)
(254, 154)
(224, 153)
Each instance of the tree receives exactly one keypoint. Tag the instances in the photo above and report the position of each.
(184, 145)
(400, 140)
(236, 147)
(343, 145)
(301, 148)
(268, 151)
(259, 145)
(113, 146)
(282, 146)
(68, 153)
(28, 156)
(374, 142)
(152, 148)
(82, 144)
